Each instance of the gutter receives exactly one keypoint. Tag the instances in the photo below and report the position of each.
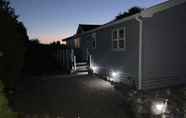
(140, 53)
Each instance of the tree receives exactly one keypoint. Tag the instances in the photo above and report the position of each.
(130, 12)
(13, 37)
(34, 41)
(12, 44)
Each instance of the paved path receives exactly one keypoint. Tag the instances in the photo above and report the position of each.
(90, 97)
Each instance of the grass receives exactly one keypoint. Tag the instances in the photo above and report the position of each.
(5, 111)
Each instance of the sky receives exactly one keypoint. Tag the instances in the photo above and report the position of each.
(52, 20)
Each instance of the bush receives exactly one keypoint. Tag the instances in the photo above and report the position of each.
(5, 111)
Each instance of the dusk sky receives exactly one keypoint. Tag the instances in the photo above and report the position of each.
(51, 20)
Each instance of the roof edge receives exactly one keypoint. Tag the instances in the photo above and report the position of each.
(145, 13)
(149, 12)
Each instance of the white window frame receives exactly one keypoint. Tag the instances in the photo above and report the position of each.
(118, 38)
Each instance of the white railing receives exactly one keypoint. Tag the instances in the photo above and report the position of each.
(74, 63)
(90, 60)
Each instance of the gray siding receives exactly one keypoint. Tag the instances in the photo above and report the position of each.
(71, 43)
(164, 48)
(84, 40)
(108, 59)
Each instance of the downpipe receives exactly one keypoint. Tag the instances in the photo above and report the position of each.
(140, 53)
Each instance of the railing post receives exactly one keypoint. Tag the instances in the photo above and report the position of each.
(74, 62)
(72, 55)
(90, 60)
(72, 58)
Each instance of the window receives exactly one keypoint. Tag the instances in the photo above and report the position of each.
(115, 34)
(119, 38)
(94, 40)
(121, 33)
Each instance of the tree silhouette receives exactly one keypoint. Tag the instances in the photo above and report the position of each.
(130, 12)
(55, 43)
(34, 41)
(12, 44)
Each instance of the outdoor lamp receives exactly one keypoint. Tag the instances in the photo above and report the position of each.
(94, 69)
(114, 75)
(159, 107)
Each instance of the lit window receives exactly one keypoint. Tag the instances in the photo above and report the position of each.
(119, 38)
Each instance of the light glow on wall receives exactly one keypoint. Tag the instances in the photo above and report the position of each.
(159, 107)
(114, 76)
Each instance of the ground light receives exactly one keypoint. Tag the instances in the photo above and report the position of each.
(114, 76)
(159, 107)
(95, 69)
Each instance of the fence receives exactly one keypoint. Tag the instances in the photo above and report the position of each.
(45, 59)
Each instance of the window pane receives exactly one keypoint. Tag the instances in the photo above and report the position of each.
(121, 33)
(94, 43)
(121, 43)
(114, 34)
(94, 35)
(115, 44)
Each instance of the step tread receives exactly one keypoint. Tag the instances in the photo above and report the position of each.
(81, 67)
(81, 63)
(82, 73)
(82, 70)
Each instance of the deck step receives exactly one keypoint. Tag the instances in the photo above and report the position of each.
(82, 70)
(81, 63)
(82, 73)
(81, 67)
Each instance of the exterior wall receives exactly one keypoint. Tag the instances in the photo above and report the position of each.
(164, 46)
(83, 47)
(108, 59)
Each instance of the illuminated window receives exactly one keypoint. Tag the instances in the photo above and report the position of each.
(119, 38)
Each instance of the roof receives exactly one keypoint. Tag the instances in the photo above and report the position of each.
(161, 7)
(149, 12)
(68, 38)
(86, 27)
